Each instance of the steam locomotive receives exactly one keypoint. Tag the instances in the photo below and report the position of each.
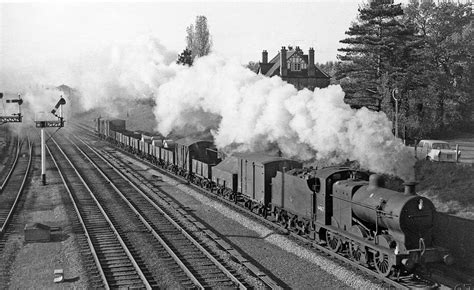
(351, 212)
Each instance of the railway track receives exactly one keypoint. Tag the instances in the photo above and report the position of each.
(192, 265)
(113, 260)
(11, 194)
(14, 183)
(10, 163)
(199, 259)
(182, 218)
(420, 280)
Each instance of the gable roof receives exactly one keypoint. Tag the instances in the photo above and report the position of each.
(272, 68)
(263, 68)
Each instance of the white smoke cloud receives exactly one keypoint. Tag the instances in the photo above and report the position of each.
(248, 112)
(123, 72)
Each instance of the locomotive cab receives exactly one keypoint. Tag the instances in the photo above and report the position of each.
(324, 197)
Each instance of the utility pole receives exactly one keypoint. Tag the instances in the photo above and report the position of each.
(48, 124)
(395, 91)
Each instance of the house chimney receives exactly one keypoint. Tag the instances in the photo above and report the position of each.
(311, 70)
(264, 56)
(283, 66)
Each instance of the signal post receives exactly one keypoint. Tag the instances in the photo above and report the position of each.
(59, 123)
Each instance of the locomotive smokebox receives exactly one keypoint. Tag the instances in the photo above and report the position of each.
(410, 188)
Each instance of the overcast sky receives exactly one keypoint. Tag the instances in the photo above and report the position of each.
(46, 32)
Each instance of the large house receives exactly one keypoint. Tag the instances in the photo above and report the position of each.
(295, 67)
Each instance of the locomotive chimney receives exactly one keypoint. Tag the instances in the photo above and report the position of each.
(410, 188)
(376, 181)
(264, 56)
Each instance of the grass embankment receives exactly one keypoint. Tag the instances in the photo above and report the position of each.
(449, 185)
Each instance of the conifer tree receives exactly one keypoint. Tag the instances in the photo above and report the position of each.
(377, 52)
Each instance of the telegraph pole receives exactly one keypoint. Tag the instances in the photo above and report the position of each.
(59, 123)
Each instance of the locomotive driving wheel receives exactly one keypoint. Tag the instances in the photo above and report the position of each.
(359, 254)
(383, 264)
(333, 241)
(282, 218)
(262, 211)
(248, 204)
(357, 250)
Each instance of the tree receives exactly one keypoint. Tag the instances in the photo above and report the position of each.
(425, 51)
(331, 69)
(444, 91)
(377, 54)
(253, 66)
(198, 38)
(185, 58)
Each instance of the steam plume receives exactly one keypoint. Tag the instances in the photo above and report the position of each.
(123, 72)
(248, 112)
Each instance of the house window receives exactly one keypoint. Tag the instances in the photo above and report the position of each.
(296, 64)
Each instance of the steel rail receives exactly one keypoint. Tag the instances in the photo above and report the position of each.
(119, 238)
(20, 190)
(13, 166)
(84, 227)
(176, 225)
(146, 224)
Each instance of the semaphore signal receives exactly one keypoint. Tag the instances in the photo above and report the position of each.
(59, 123)
(15, 117)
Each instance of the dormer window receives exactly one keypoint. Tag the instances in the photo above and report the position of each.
(296, 63)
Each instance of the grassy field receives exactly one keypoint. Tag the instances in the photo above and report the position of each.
(449, 185)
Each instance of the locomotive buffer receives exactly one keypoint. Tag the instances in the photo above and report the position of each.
(16, 117)
(59, 123)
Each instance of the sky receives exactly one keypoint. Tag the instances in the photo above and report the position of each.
(46, 33)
